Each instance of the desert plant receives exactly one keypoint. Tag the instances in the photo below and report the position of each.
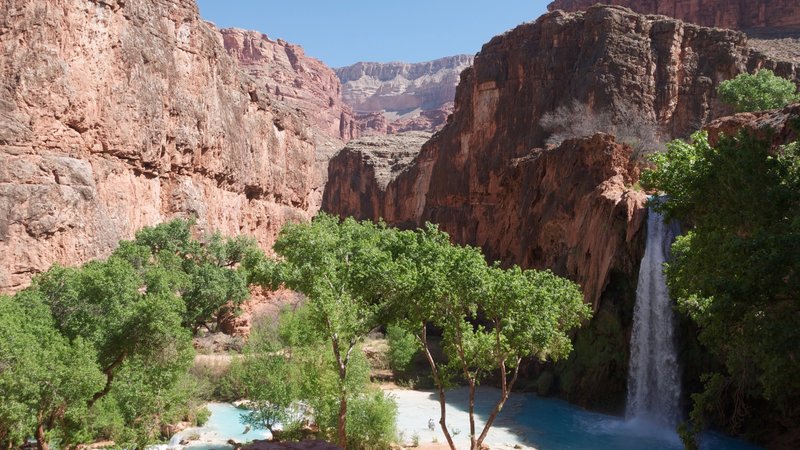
(762, 90)
(577, 120)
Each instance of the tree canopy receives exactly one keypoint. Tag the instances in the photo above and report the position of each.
(491, 318)
(109, 343)
(736, 272)
(762, 90)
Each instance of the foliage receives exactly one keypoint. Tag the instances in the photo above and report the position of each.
(340, 267)
(45, 378)
(290, 365)
(111, 343)
(763, 90)
(736, 272)
(403, 347)
(491, 318)
(371, 421)
(207, 275)
(270, 384)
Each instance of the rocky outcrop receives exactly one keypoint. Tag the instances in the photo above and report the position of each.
(468, 177)
(769, 15)
(781, 126)
(413, 97)
(285, 71)
(364, 168)
(117, 115)
(488, 179)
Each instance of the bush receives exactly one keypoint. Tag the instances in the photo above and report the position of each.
(402, 348)
(371, 421)
(577, 120)
(764, 90)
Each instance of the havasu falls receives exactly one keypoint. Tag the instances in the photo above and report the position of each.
(654, 388)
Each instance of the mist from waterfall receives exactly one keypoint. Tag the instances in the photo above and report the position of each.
(654, 377)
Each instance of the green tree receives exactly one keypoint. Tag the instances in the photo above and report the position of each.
(529, 313)
(108, 304)
(45, 379)
(736, 273)
(292, 365)
(403, 347)
(764, 90)
(270, 382)
(490, 318)
(339, 267)
(206, 275)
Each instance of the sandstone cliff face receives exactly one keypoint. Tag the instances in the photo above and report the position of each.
(363, 170)
(735, 14)
(289, 75)
(121, 114)
(413, 97)
(467, 179)
(486, 180)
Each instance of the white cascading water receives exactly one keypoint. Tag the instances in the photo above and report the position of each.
(654, 382)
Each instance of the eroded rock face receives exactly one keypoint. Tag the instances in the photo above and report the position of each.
(285, 71)
(413, 97)
(488, 180)
(467, 178)
(735, 14)
(118, 115)
(363, 169)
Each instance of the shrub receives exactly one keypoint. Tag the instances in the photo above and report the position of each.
(763, 90)
(371, 421)
(577, 120)
(402, 348)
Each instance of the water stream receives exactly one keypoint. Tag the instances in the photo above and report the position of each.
(654, 379)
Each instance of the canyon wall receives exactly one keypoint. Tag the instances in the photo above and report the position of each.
(122, 114)
(412, 97)
(488, 179)
(610, 58)
(734, 14)
(285, 71)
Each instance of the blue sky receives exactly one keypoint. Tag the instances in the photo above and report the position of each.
(347, 31)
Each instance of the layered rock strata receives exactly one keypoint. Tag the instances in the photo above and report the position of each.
(467, 178)
(412, 97)
(364, 169)
(285, 71)
(117, 115)
(759, 16)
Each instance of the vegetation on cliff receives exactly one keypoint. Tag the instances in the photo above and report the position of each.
(736, 271)
(762, 90)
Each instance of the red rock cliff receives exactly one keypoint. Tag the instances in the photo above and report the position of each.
(412, 97)
(121, 114)
(571, 209)
(735, 14)
(288, 74)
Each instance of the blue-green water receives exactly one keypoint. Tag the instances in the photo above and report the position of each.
(546, 424)
(224, 424)
(556, 425)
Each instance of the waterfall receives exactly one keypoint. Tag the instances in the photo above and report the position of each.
(654, 385)
(175, 442)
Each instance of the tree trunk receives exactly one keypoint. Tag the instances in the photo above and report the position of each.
(342, 426)
(505, 393)
(474, 445)
(41, 439)
(109, 371)
(438, 382)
